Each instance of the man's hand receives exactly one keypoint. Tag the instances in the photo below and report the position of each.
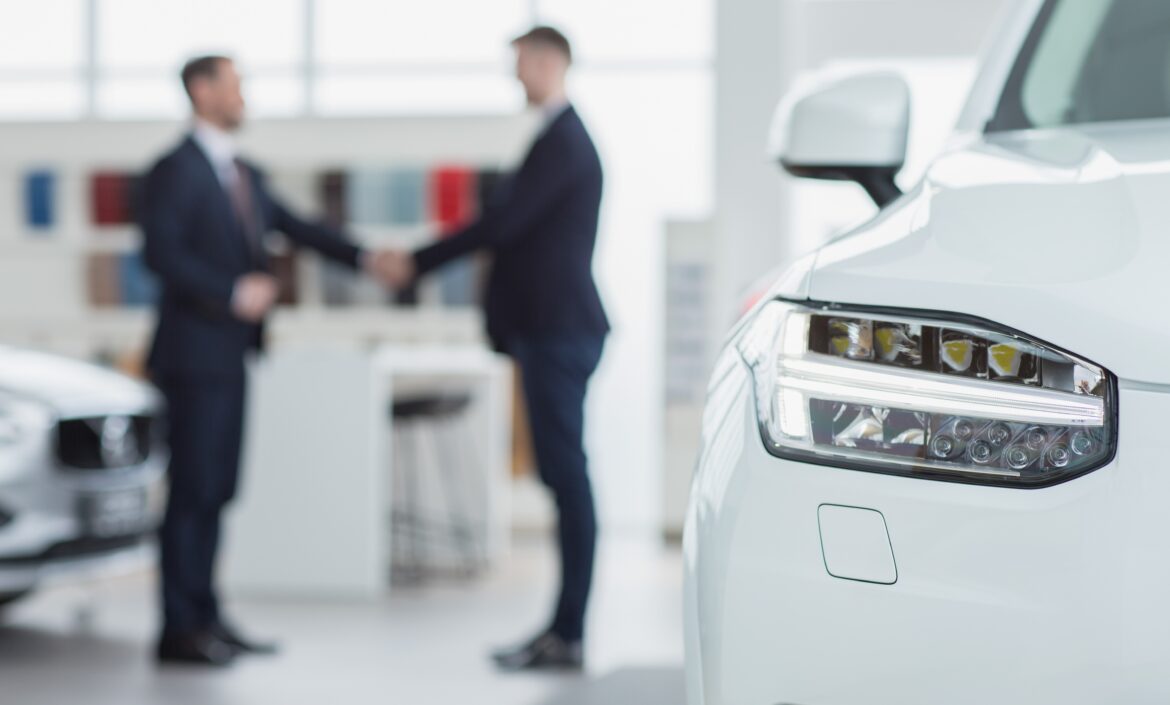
(394, 268)
(254, 296)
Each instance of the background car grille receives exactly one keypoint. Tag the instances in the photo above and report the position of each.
(104, 442)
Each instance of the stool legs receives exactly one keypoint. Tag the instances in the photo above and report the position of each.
(455, 523)
(405, 514)
(450, 448)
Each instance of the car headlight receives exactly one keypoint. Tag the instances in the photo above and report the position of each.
(11, 430)
(913, 394)
(18, 417)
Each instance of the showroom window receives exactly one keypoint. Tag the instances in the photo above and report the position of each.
(42, 60)
(118, 59)
(139, 46)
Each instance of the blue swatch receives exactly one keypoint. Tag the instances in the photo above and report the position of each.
(39, 196)
(139, 285)
(387, 197)
(406, 196)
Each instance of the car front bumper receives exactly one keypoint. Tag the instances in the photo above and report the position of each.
(1048, 596)
(49, 538)
(78, 559)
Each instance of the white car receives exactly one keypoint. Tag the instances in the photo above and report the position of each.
(81, 471)
(932, 469)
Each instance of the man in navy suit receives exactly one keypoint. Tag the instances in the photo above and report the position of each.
(542, 308)
(205, 213)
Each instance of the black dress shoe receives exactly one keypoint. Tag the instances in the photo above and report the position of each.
(241, 645)
(546, 652)
(197, 649)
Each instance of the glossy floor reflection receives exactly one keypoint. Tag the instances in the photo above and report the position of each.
(427, 645)
(653, 686)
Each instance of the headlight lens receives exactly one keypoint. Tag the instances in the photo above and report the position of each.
(914, 395)
(18, 417)
(10, 428)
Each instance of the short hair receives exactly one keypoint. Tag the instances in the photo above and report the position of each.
(201, 67)
(546, 36)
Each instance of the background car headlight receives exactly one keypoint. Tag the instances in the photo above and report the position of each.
(906, 393)
(11, 430)
(20, 418)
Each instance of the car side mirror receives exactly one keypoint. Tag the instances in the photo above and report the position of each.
(850, 129)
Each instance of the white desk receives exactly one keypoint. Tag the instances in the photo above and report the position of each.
(313, 516)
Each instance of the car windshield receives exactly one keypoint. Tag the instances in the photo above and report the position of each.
(1089, 61)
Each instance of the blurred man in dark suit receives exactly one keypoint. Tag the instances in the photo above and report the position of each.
(542, 308)
(204, 214)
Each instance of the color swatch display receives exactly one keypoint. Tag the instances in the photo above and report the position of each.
(394, 204)
(120, 280)
(40, 188)
(387, 197)
(333, 187)
(453, 196)
(101, 275)
(404, 196)
(447, 196)
(112, 197)
(454, 203)
(137, 285)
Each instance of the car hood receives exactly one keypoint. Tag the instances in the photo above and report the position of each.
(69, 387)
(1064, 235)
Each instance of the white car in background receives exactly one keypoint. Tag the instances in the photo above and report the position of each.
(81, 471)
(932, 469)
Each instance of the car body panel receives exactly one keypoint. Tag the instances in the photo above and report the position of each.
(1049, 596)
(70, 387)
(1000, 592)
(1061, 234)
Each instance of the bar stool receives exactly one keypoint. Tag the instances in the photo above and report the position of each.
(421, 533)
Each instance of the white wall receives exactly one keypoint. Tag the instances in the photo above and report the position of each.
(654, 141)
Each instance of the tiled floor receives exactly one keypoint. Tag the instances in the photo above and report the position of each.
(90, 645)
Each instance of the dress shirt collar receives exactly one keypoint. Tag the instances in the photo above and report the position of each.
(218, 145)
(550, 111)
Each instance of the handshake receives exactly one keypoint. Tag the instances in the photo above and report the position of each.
(255, 294)
(394, 268)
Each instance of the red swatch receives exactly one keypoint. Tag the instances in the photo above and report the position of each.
(452, 196)
(110, 198)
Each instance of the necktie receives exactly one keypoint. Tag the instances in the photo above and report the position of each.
(240, 194)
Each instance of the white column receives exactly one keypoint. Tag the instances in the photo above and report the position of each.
(758, 50)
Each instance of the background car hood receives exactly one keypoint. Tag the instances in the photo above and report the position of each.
(1064, 235)
(71, 387)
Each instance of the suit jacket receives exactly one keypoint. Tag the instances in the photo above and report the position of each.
(197, 247)
(541, 228)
